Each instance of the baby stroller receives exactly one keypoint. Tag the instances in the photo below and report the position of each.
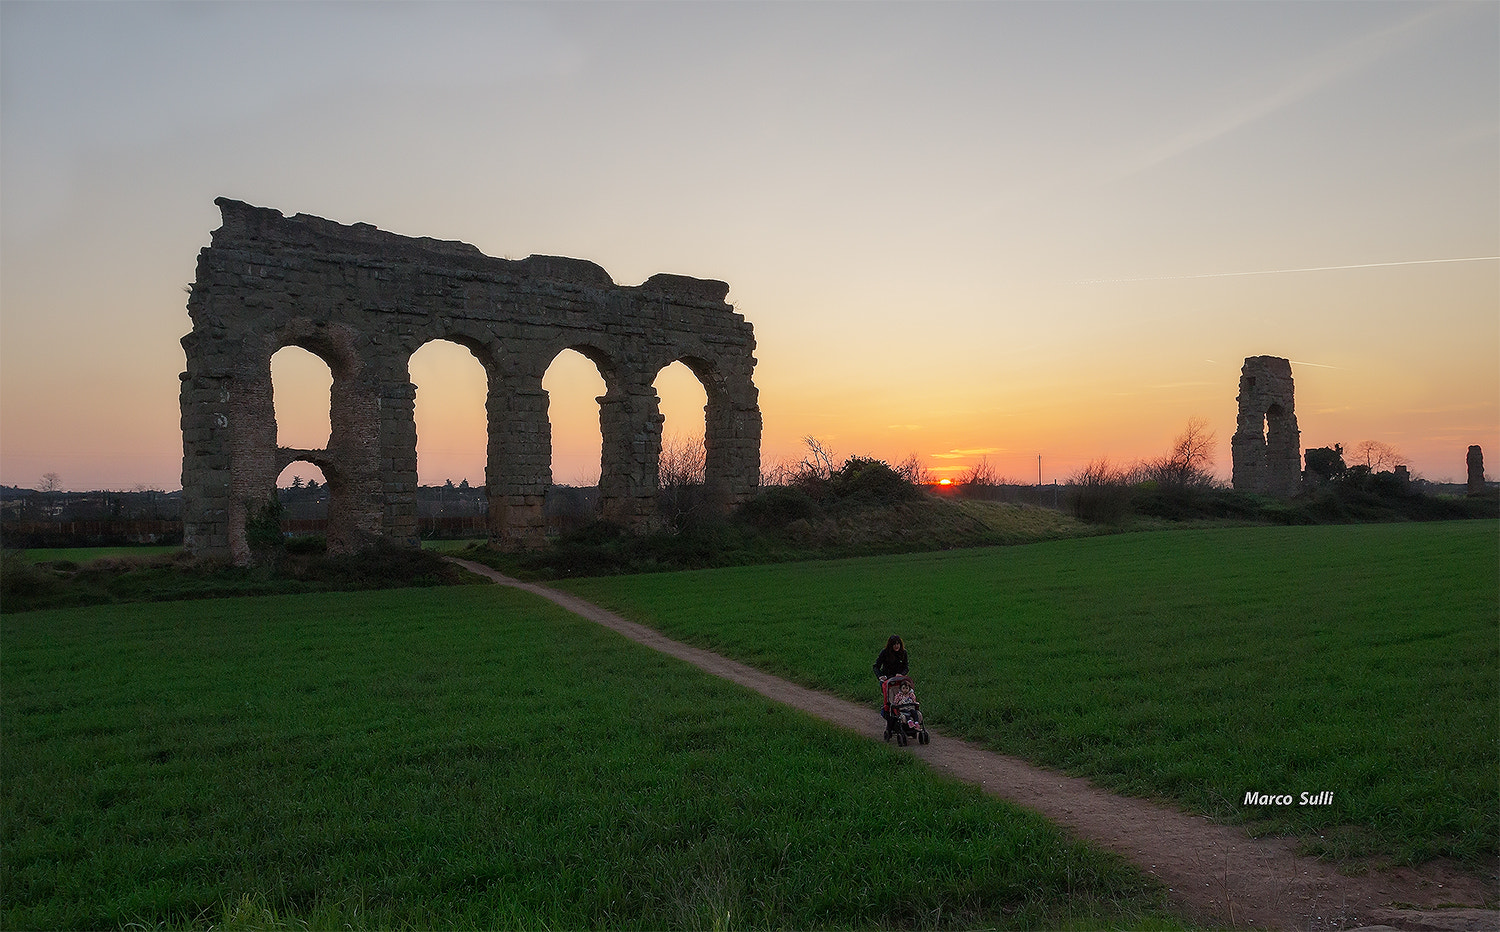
(901, 711)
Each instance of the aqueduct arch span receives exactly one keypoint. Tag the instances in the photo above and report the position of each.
(364, 300)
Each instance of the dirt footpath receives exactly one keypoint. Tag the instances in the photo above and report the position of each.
(1218, 874)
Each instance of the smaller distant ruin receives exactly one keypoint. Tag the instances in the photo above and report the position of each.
(1476, 470)
(1266, 446)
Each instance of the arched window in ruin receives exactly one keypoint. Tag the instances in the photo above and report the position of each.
(683, 402)
(682, 469)
(449, 411)
(303, 493)
(301, 385)
(574, 383)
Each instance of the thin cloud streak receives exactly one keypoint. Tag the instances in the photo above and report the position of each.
(1333, 65)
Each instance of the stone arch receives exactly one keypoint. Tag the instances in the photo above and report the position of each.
(731, 429)
(1266, 445)
(583, 357)
(345, 460)
(683, 425)
(364, 300)
(483, 356)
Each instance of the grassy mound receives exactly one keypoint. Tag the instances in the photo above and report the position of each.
(27, 584)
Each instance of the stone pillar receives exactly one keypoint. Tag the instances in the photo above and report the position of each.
(518, 466)
(1475, 462)
(378, 437)
(1266, 448)
(252, 445)
(732, 441)
(204, 398)
(630, 423)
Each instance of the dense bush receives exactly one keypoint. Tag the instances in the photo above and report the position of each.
(860, 481)
(778, 507)
(1099, 494)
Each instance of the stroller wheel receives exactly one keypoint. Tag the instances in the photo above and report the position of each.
(923, 737)
(887, 733)
(901, 737)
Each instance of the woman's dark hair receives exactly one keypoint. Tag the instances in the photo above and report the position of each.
(895, 639)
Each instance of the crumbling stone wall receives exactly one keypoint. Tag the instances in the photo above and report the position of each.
(364, 300)
(1266, 445)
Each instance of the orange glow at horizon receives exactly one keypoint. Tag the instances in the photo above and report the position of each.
(1073, 278)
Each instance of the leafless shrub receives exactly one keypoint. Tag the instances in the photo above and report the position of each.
(914, 471)
(780, 473)
(683, 460)
(1100, 492)
(681, 496)
(978, 477)
(818, 464)
(1375, 455)
(1189, 463)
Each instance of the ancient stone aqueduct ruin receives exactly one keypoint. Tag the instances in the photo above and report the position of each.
(364, 300)
(1265, 448)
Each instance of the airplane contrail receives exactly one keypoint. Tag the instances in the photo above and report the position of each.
(1319, 268)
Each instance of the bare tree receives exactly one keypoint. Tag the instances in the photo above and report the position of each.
(1099, 472)
(51, 482)
(1375, 455)
(913, 470)
(683, 461)
(818, 464)
(781, 472)
(1191, 458)
(979, 476)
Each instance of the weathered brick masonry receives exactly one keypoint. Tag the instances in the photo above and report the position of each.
(1265, 448)
(364, 300)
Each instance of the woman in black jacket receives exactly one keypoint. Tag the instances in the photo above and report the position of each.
(892, 661)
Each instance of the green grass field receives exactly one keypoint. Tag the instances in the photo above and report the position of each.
(1194, 666)
(450, 546)
(86, 554)
(472, 757)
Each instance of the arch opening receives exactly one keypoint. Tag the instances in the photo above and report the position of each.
(449, 413)
(302, 490)
(301, 398)
(449, 410)
(682, 467)
(575, 386)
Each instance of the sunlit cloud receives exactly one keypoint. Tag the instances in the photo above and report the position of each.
(960, 454)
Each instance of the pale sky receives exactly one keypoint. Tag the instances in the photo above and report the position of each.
(1001, 230)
